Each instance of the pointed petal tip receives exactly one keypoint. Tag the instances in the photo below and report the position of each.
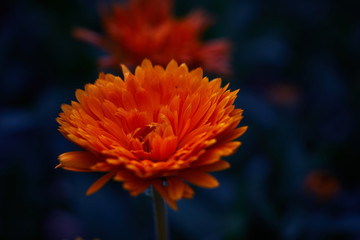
(98, 184)
(236, 91)
(200, 179)
(172, 61)
(146, 63)
(164, 194)
(185, 66)
(197, 73)
(88, 192)
(172, 204)
(245, 128)
(175, 207)
(172, 66)
(125, 70)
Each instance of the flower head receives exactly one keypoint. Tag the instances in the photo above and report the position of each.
(147, 29)
(156, 126)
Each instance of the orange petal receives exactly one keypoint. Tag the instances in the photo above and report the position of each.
(146, 63)
(175, 187)
(124, 175)
(235, 133)
(217, 166)
(80, 161)
(188, 191)
(215, 55)
(164, 193)
(171, 67)
(125, 70)
(200, 179)
(88, 36)
(100, 183)
(136, 187)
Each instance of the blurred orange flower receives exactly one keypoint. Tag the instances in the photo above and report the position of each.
(322, 184)
(160, 127)
(147, 29)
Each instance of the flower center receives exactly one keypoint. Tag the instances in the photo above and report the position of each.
(143, 135)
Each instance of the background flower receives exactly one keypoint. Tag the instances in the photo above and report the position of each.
(159, 125)
(140, 29)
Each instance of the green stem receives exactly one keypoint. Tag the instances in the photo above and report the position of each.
(160, 214)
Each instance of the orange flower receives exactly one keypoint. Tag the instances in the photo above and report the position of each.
(160, 127)
(147, 29)
(322, 184)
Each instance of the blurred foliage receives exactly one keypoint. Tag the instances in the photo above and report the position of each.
(295, 177)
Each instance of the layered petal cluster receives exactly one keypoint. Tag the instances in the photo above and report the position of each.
(147, 29)
(160, 127)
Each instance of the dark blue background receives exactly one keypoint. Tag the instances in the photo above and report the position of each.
(297, 64)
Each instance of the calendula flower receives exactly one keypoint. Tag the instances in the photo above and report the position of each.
(322, 184)
(160, 127)
(147, 29)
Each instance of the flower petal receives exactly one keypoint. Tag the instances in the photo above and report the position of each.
(200, 179)
(80, 161)
(88, 36)
(175, 187)
(136, 187)
(100, 183)
(188, 191)
(164, 193)
(217, 166)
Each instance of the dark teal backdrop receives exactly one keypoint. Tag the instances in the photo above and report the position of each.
(296, 176)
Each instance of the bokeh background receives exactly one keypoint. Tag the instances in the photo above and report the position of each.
(296, 176)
